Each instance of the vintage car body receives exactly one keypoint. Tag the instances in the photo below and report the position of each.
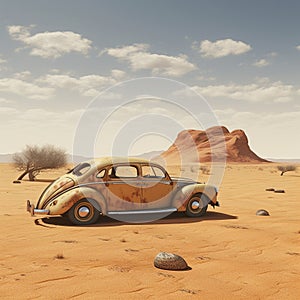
(119, 186)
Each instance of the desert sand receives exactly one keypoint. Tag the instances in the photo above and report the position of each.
(233, 254)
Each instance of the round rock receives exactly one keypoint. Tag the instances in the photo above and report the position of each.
(262, 212)
(170, 261)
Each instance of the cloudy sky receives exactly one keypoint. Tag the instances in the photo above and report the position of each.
(243, 57)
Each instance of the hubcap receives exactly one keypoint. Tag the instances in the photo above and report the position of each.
(83, 211)
(195, 205)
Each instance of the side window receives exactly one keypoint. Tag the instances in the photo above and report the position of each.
(152, 172)
(158, 172)
(123, 172)
(147, 171)
(101, 174)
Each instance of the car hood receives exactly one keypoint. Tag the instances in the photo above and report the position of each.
(53, 189)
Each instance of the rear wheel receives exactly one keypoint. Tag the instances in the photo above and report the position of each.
(197, 205)
(83, 213)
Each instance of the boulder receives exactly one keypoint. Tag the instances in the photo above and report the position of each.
(262, 212)
(170, 261)
(279, 191)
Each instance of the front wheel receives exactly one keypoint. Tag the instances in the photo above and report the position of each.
(83, 213)
(197, 205)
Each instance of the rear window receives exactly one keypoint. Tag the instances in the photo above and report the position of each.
(81, 169)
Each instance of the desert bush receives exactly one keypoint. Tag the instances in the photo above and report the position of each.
(33, 159)
(195, 169)
(205, 170)
(286, 168)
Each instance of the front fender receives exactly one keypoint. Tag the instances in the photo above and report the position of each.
(183, 195)
(62, 203)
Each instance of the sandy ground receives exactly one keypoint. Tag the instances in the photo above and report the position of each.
(233, 254)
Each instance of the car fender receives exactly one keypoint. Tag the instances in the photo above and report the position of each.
(183, 195)
(62, 203)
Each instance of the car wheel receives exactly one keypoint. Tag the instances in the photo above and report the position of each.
(83, 213)
(197, 205)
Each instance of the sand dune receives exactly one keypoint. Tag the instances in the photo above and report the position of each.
(233, 254)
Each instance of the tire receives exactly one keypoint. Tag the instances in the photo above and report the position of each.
(83, 213)
(197, 205)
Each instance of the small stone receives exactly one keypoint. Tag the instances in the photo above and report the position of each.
(279, 191)
(262, 212)
(270, 190)
(170, 261)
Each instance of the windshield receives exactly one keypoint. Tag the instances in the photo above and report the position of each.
(81, 169)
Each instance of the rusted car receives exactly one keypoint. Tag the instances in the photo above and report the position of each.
(114, 186)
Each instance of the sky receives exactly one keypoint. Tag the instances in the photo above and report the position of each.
(57, 58)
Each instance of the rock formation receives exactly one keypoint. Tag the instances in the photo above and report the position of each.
(198, 145)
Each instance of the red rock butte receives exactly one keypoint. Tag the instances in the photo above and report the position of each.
(217, 142)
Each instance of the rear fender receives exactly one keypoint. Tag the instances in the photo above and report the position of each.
(65, 201)
(181, 197)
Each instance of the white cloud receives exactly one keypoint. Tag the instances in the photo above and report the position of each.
(118, 74)
(2, 62)
(54, 71)
(44, 87)
(50, 44)
(89, 85)
(221, 48)
(125, 51)
(255, 92)
(206, 78)
(3, 100)
(298, 47)
(22, 75)
(140, 59)
(162, 64)
(261, 63)
(18, 32)
(272, 54)
(25, 89)
(7, 112)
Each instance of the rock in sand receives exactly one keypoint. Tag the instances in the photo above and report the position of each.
(170, 261)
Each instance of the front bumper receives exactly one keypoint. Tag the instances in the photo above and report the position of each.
(30, 208)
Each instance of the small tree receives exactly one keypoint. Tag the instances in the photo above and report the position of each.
(287, 168)
(33, 159)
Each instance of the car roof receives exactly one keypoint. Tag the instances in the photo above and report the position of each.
(110, 160)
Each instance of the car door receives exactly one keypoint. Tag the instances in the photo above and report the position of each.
(157, 187)
(123, 187)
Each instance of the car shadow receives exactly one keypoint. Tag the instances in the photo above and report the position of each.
(104, 221)
(39, 180)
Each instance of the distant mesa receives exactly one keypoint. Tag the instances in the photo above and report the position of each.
(149, 155)
(194, 145)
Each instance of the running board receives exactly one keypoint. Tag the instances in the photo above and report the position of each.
(139, 212)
